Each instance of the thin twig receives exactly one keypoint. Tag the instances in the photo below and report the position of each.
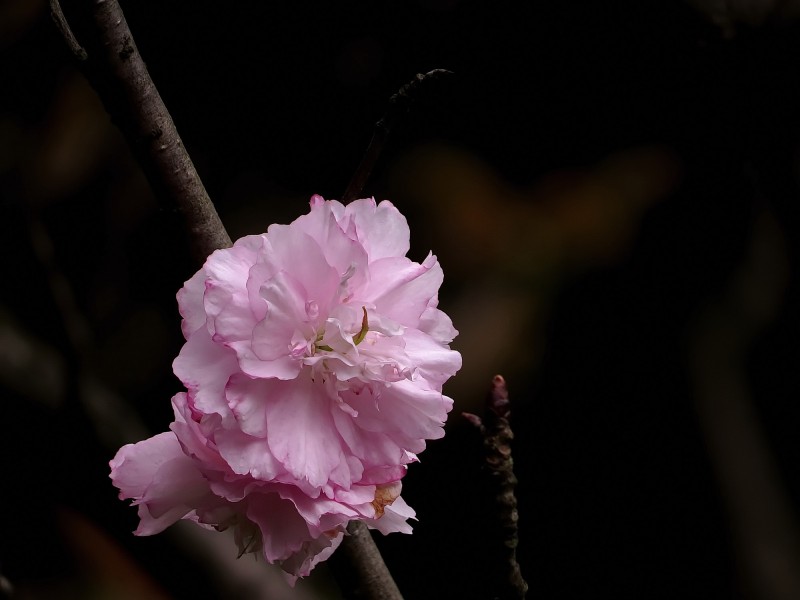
(398, 105)
(369, 577)
(497, 436)
(66, 32)
(117, 72)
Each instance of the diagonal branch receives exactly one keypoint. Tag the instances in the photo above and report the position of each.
(116, 70)
(359, 567)
(66, 31)
(399, 104)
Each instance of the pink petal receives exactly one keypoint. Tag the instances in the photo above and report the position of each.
(248, 455)
(401, 289)
(283, 530)
(313, 553)
(204, 367)
(302, 435)
(437, 325)
(190, 304)
(321, 514)
(435, 363)
(377, 449)
(394, 518)
(382, 229)
(160, 478)
(346, 255)
(298, 253)
(225, 300)
(286, 300)
(192, 437)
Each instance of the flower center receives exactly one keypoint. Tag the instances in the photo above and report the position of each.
(357, 338)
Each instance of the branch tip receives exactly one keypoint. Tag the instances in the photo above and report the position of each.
(399, 104)
(501, 563)
(474, 420)
(66, 32)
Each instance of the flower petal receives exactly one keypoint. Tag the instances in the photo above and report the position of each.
(381, 229)
(204, 367)
(160, 478)
(402, 289)
(302, 435)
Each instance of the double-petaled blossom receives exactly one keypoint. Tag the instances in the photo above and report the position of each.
(314, 361)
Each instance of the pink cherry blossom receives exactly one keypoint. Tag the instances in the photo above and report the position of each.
(314, 361)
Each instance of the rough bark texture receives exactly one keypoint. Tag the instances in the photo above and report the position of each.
(115, 69)
(360, 569)
(501, 548)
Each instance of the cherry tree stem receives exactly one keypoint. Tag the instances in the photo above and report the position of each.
(360, 569)
(501, 562)
(111, 62)
(399, 104)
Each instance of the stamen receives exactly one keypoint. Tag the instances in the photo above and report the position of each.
(318, 346)
(359, 337)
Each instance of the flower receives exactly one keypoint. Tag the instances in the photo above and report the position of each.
(314, 361)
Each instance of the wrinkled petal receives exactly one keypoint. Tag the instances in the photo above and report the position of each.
(204, 367)
(437, 325)
(248, 455)
(190, 304)
(395, 518)
(381, 229)
(401, 289)
(160, 478)
(229, 312)
(302, 435)
(435, 362)
(344, 253)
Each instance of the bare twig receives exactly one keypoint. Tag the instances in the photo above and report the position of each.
(116, 70)
(497, 436)
(66, 32)
(398, 105)
(368, 575)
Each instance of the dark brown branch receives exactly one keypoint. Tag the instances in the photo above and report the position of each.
(66, 32)
(502, 549)
(398, 106)
(116, 70)
(360, 569)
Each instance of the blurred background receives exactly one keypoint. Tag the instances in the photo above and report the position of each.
(612, 189)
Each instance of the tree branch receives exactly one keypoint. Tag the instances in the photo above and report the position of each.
(360, 569)
(502, 548)
(399, 104)
(116, 70)
(66, 32)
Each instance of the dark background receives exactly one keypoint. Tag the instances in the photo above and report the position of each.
(612, 189)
